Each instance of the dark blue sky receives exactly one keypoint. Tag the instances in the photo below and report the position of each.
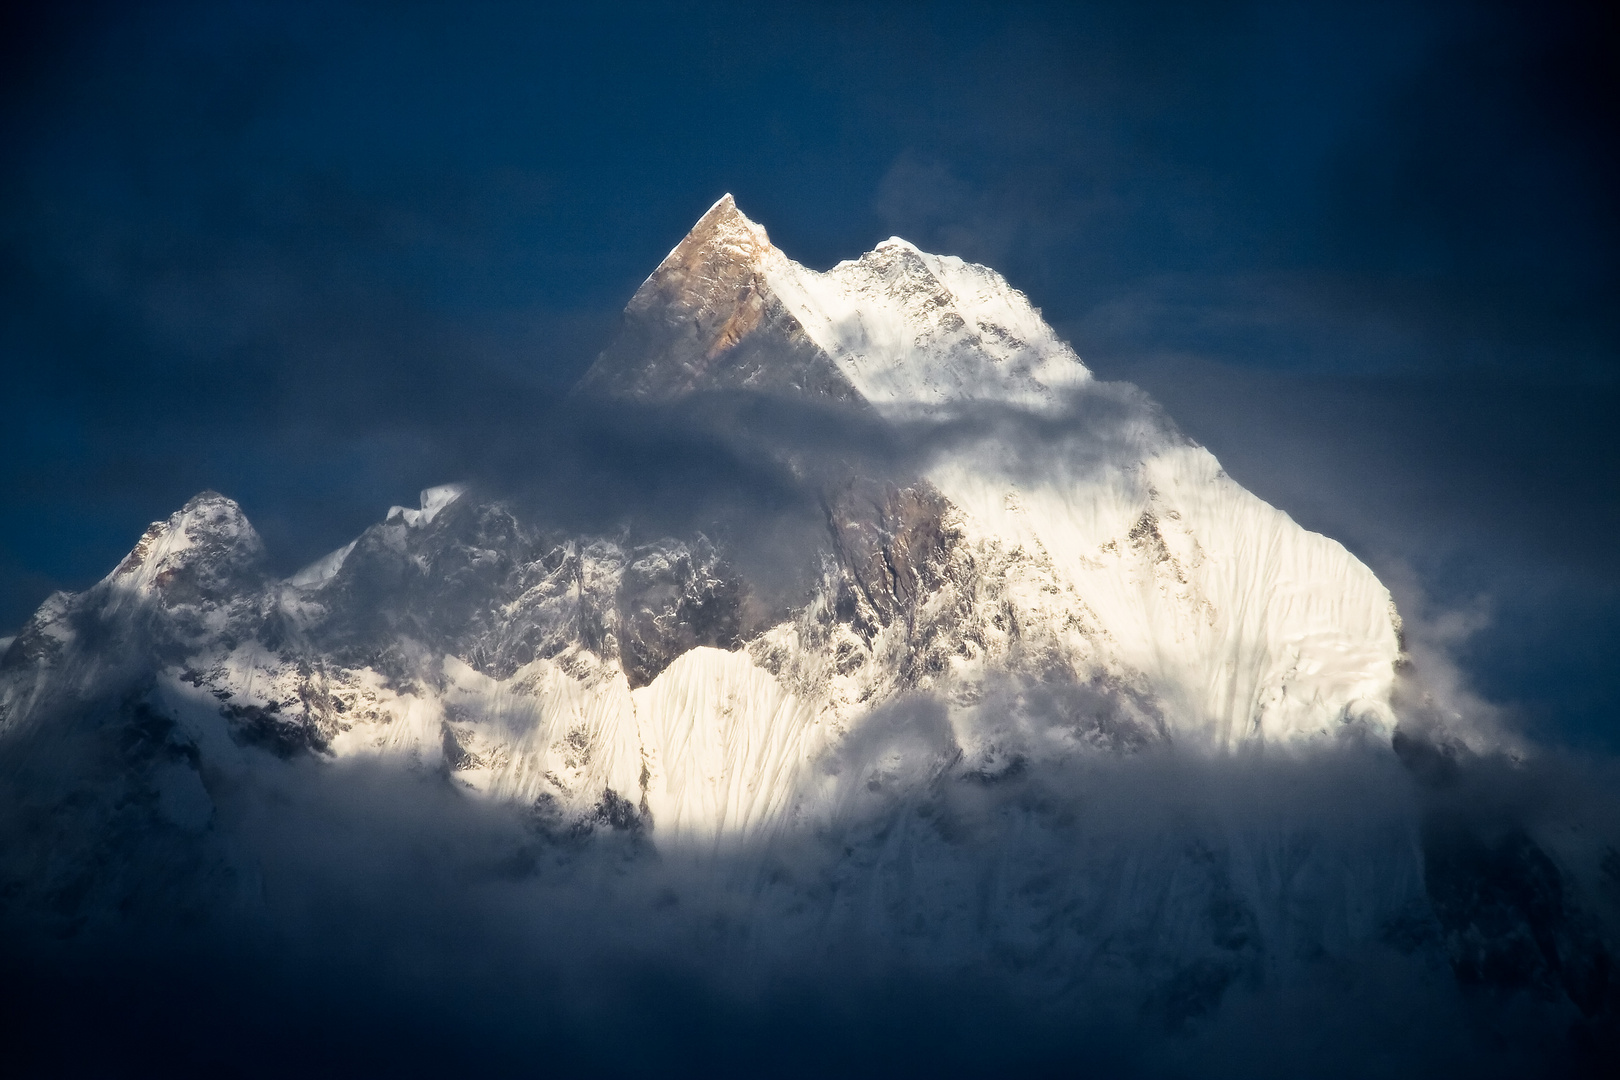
(316, 256)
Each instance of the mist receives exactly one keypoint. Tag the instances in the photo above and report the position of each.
(364, 915)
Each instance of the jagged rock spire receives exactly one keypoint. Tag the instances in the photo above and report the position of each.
(709, 319)
(723, 234)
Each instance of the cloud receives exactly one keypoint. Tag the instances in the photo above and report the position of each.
(1157, 911)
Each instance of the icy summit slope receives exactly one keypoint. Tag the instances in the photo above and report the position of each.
(1238, 623)
(1063, 574)
(901, 329)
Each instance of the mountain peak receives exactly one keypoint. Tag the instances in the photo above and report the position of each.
(710, 317)
(723, 236)
(897, 328)
(208, 539)
(724, 223)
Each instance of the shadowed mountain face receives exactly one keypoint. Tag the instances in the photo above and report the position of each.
(1038, 702)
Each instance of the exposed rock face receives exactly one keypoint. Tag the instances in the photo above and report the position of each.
(477, 583)
(708, 318)
(893, 544)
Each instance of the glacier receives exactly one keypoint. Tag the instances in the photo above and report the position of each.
(1043, 692)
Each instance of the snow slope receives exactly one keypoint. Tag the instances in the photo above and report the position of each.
(1239, 623)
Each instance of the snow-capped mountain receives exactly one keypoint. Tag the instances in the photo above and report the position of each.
(1115, 564)
(1049, 577)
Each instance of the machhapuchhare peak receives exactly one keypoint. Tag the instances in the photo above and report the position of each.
(941, 694)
